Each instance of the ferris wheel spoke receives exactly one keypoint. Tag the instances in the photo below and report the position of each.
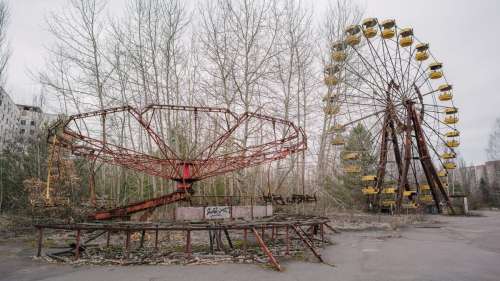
(437, 134)
(368, 82)
(384, 43)
(440, 121)
(370, 67)
(384, 64)
(429, 144)
(375, 54)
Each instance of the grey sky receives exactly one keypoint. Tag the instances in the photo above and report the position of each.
(462, 34)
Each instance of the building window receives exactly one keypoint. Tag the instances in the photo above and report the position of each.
(23, 122)
(22, 131)
(32, 132)
(32, 123)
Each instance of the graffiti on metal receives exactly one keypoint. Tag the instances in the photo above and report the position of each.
(217, 212)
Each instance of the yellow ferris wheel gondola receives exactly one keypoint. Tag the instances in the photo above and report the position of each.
(422, 53)
(395, 105)
(369, 27)
(389, 29)
(445, 92)
(406, 37)
(338, 52)
(353, 33)
(435, 70)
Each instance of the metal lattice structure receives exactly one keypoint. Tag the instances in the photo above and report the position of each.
(180, 143)
(383, 78)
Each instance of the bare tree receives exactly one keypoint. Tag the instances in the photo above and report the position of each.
(338, 15)
(4, 45)
(493, 149)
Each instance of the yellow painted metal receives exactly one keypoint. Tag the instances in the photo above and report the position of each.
(369, 190)
(369, 178)
(388, 23)
(449, 165)
(409, 205)
(451, 119)
(388, 33)
(452, 134)
(370, 32)
(339, 56)
(434, 74)
(442, 173)
(351, 169)
(435, 66)
(452, 143)
(337, 128)
(353, 40)
(331, 80)
(445, 87)
(406, 32)
(424, 187)
(450, 110)
(426, 198)
(448, 155)
(338, 140)
(353, 29)
(369, 22)
(351, 156)
(408, 192)
(421, 55)
(445, 96)
(389, 190)
(406, 41)
(388, 203)
(422, 47)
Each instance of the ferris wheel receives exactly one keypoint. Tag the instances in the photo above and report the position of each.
(381, 77)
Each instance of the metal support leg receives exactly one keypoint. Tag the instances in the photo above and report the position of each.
(188, 243)
(127, 243)
(266, 250)
(77, 245)
(156, 238)
(40, 241)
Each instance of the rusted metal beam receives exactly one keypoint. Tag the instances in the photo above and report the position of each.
(331, 228)
(143, 233)
(287, 240)
(266, 250)
(40, 241)
(140, 206)
(306, 241)
(204, 164)
(108, 238)
(426, 161)
(188, 243)
(176, 226)
(245, 241)
(127, 243)
(403, 175)
(77, 244)
(156, 238)
(383, 156)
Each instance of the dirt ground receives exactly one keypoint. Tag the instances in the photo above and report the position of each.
(442, 248)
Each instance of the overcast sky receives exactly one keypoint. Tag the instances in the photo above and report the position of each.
(462, 34)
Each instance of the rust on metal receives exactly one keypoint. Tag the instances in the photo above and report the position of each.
(266, 250)
(300, 232)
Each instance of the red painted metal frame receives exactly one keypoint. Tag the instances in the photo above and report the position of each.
(169, 165)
